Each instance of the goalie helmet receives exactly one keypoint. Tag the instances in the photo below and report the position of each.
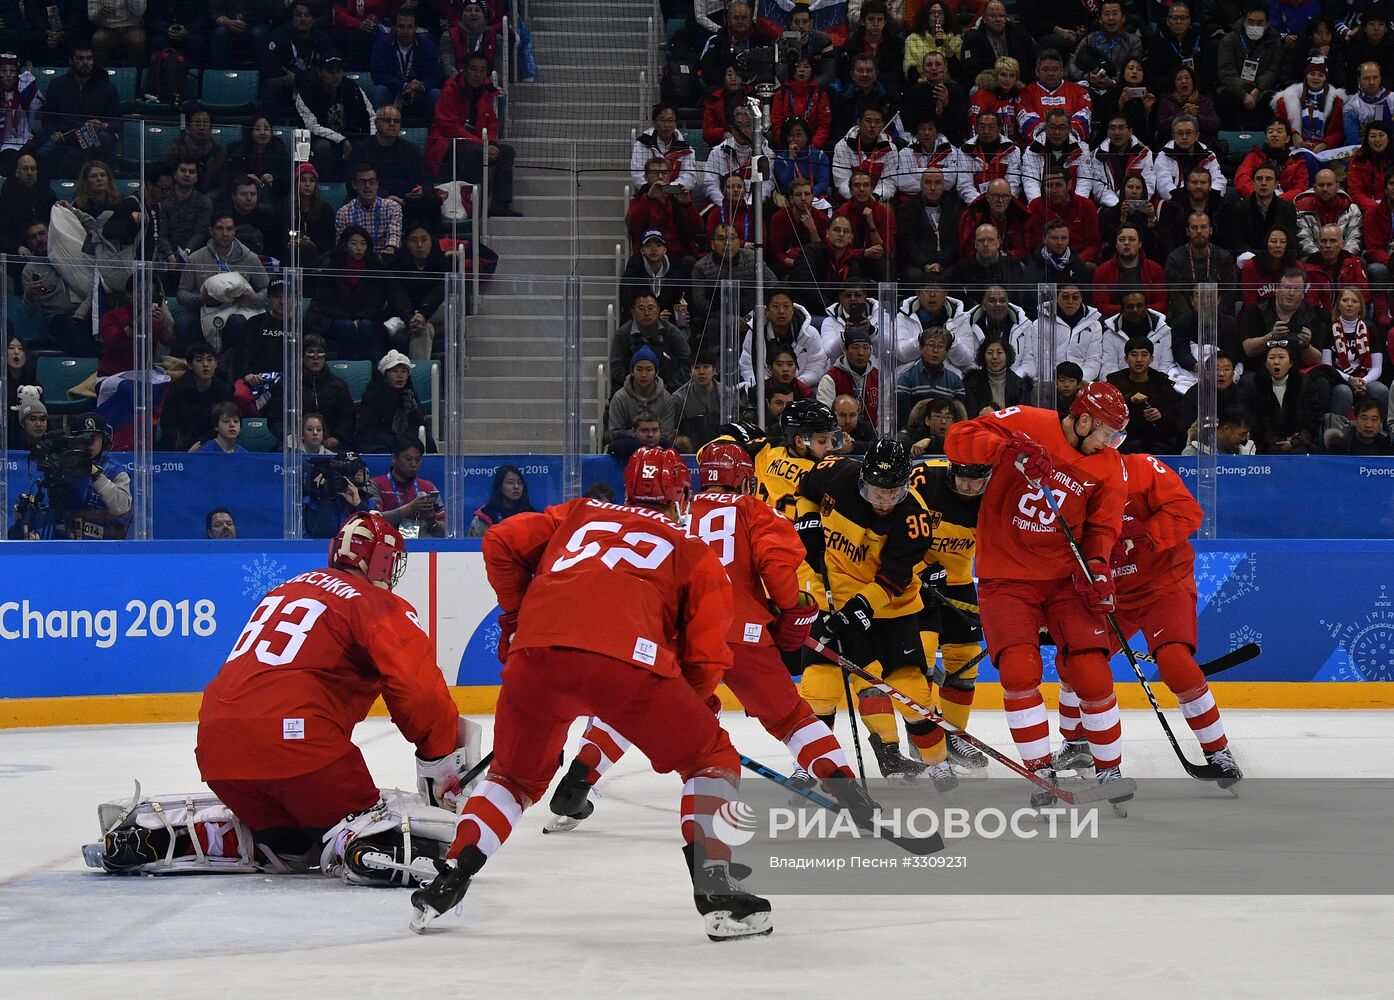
(725, 464)
(369, 544)
(658, 475)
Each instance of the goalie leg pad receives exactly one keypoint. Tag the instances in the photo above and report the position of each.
(393, 844)
(176, 835)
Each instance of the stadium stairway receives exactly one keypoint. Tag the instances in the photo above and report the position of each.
(587, 95)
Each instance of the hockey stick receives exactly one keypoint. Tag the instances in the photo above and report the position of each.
(1231, 659)
(1111, 790)
(918, 846)
(1203, 772)
(968, 612)
(847, 689)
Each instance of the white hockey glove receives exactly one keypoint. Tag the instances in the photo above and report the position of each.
(440, 779)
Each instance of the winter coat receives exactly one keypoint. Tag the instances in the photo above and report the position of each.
(324, 393)
(920, 242)
(678, 153)
(335, 297)
(1108, 170)
(418, 290)
(665, 340)
(865, 387)
(1341, 210)
(668, 286)
(1106, 294)
(1082, 217)
(1080, 342)
(1162, 437)
(462, 113)
(800, 99)
(711, 270)
(1287, 105)
(914, 161)
(978, 391)
(1115, 340)
(1172, 165)
(344, 114)
(808, 349)
(971, 329)
(627, 403)
(386, 414)
(1038, 159)
(1243, 227)
(1234, 49)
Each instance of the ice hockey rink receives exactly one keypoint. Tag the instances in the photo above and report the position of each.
(605, 911)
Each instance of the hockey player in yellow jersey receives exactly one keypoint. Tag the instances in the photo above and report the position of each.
(952, 494)
(874, 537)
(808, 428)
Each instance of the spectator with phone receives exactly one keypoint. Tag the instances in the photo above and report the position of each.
(1285, 319)
(409, 502)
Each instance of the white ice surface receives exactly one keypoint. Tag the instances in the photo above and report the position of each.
(606, 911)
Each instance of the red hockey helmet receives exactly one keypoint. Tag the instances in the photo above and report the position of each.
(1106, 405)
(658, 475)
(725, 463)
(369, 544)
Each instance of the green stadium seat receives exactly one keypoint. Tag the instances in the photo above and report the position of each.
(1240, 143)
(130, 187)
(63, 189)
(29, 324)
(123, 78)
(57, 375)
(355, 374)
(229, 91)
(361, 77)
(256, 436)
(158, 138)
(333, 193)
(421, 382)
(415, 136)
(44, 75)
(225, 135)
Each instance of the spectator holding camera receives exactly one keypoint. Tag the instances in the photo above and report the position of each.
(409, 502)
(336, 487)
(1285, 318)
(507, 496)
(390, 409)
(79, 494)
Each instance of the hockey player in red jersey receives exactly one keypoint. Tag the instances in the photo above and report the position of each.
(761, 552)
(275, 727)
(648, 667)
(1025, 567)
(1154, 573)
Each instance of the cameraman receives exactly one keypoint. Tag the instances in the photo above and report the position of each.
(337, 487)
(77, 494)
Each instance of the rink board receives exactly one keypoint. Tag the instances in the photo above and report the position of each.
(95, 633)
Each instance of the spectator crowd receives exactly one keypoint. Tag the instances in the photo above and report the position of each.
(1124, 152)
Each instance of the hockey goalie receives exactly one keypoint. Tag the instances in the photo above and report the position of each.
(290, 791)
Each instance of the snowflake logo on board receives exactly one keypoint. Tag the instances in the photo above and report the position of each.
(1243, 636)
(260, 575)
(1233, 586)
(1368, 642)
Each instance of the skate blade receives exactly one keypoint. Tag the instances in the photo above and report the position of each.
(1122, 790)
(417, 875)
(561, 824)
(970, 773)
(721, 926)
(422, 918)
(92, 854)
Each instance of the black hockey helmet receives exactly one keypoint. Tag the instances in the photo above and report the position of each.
(885, 473)
(805, 417)
(742, 431)
(969, 480)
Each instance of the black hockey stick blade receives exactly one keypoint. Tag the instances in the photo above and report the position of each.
(1231, 659)
(918, 846)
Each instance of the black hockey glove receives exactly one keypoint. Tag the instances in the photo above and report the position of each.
(853, 620)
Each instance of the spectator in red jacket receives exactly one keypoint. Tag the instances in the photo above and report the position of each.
(468, 107)
(998, 209)
(1294, 170)
(802, 97)
(1258, 278)
(1059, 202)
(717, 108)
(1369, 166)
(873, 224)
(664, 207)
(1379, 242)
(795, 226)
(355, 27)
(1128, 270)
(1330, 268)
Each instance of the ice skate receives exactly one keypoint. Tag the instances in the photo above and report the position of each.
(804, 781)
(1073, 755)
(382, 859)
(729, 910)
(966, 758)
(571, 801)
(854, 798)
(1041, 798)
(1224, 760)
(446, 890)
(942, 774)
(894, 765)
(1114, 774)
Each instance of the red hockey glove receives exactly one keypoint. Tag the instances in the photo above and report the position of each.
(792, 625)
(508, 624)
(1030, 457)
(714, 703)
(1096, 589)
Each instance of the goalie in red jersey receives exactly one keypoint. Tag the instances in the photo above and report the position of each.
(1154, 573)
(1026, 568)
(648, 666)
(274, 736)
(761, 552)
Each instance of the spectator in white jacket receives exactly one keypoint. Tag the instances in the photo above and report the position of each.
(1136, 320)
(665, 142)
(789, 324)
(995, 318)
(1177, 158)
(733, 156)
(1076, 332)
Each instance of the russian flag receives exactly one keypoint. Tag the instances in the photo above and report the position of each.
(116, 404)
(829, 16)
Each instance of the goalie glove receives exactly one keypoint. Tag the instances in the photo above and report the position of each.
(440, 779)
(792, 625)
(854, 619)
(1096, 589)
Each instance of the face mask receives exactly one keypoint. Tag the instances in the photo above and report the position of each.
(1254, 31)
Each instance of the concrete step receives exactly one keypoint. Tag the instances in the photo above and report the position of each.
(570, 38)
(555, 267)
(597, 184)
(499, 346)
(621, 72)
